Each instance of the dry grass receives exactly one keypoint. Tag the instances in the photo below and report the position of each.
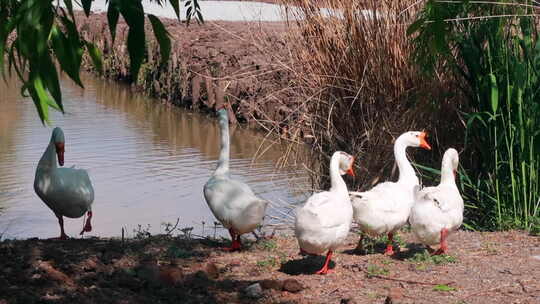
(361, 89)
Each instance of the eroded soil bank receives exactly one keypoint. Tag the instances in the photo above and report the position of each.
(241, 64)
(499, 267)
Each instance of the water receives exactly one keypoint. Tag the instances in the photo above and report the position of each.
(212, 10)
(148, 162)
(235, 11)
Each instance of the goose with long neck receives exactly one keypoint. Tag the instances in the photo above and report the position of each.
(231, 201)
(386, 207)
(66, 191)
(438, 211)
(323, 222)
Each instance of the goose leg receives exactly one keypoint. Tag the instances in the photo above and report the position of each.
(88, 225)
(63, 235)
(444, 247)
(236, 245)
(324, 269)
(360, 246)
(389, 245)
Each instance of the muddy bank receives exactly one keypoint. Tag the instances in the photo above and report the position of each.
(501, 267)
(237, 63)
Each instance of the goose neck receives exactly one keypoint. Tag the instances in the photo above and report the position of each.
(48, 159)
(336, 181)
(447, 173)
(406, 171)
(223, 162)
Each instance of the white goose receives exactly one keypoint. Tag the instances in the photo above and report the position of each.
(385, 208)
(67, 191)
(232, 202)
(324, 220)
(438, 211)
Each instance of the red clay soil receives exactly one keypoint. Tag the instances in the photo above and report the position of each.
(501, 267)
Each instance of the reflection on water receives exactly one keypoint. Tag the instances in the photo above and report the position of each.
(148, 163)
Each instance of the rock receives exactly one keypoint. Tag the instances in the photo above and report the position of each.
(148, 270)
(271, 284)
(254, 291)
(347, 301)
(55, 274)
(395, 296)
(292, 285)
(90, 264)
(171, 276)
(212, 270)
(123, 279)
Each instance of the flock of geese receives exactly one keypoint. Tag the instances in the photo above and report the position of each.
(322, 222)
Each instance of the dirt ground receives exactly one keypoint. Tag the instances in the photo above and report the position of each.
(500, 267)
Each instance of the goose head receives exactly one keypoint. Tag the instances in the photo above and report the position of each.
(345, 162)
(451, 161)
(222, 113)
(58, 139)
(414, 139)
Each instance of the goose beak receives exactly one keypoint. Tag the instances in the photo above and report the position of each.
(350, 170)
(60, 153)
(423, 143)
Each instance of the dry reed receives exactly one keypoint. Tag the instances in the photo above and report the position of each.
(352, 66)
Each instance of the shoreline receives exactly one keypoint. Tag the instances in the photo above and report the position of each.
(169, 269)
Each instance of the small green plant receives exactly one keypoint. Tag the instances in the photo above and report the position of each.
(268, 262)
(369, 244)
(442, 287)
(426, 257)
(490, 248)
(268, 245)
(374, 270)
(534, 228)
(497, 61)
(176, 252)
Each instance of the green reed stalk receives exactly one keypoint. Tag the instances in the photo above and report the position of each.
(499, 59)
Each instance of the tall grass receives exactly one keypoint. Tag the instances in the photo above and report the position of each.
(352, 68)
(497, 58)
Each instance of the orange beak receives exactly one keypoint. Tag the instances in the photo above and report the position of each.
(423, 143)
(60, 153)
(350, 170)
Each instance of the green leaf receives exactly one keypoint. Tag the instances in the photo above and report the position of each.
(133, 13)
(176, 6)
(188, 14)
(162, 36)
(442, 287)
(69, 6)
(95, 54)
(494, 93)
(200, 17)
(112, 17)
(68, 53)
(87, 4)
(49, 77)
(415, 26)
(40, 98)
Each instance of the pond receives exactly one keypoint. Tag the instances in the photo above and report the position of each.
(148, 161)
